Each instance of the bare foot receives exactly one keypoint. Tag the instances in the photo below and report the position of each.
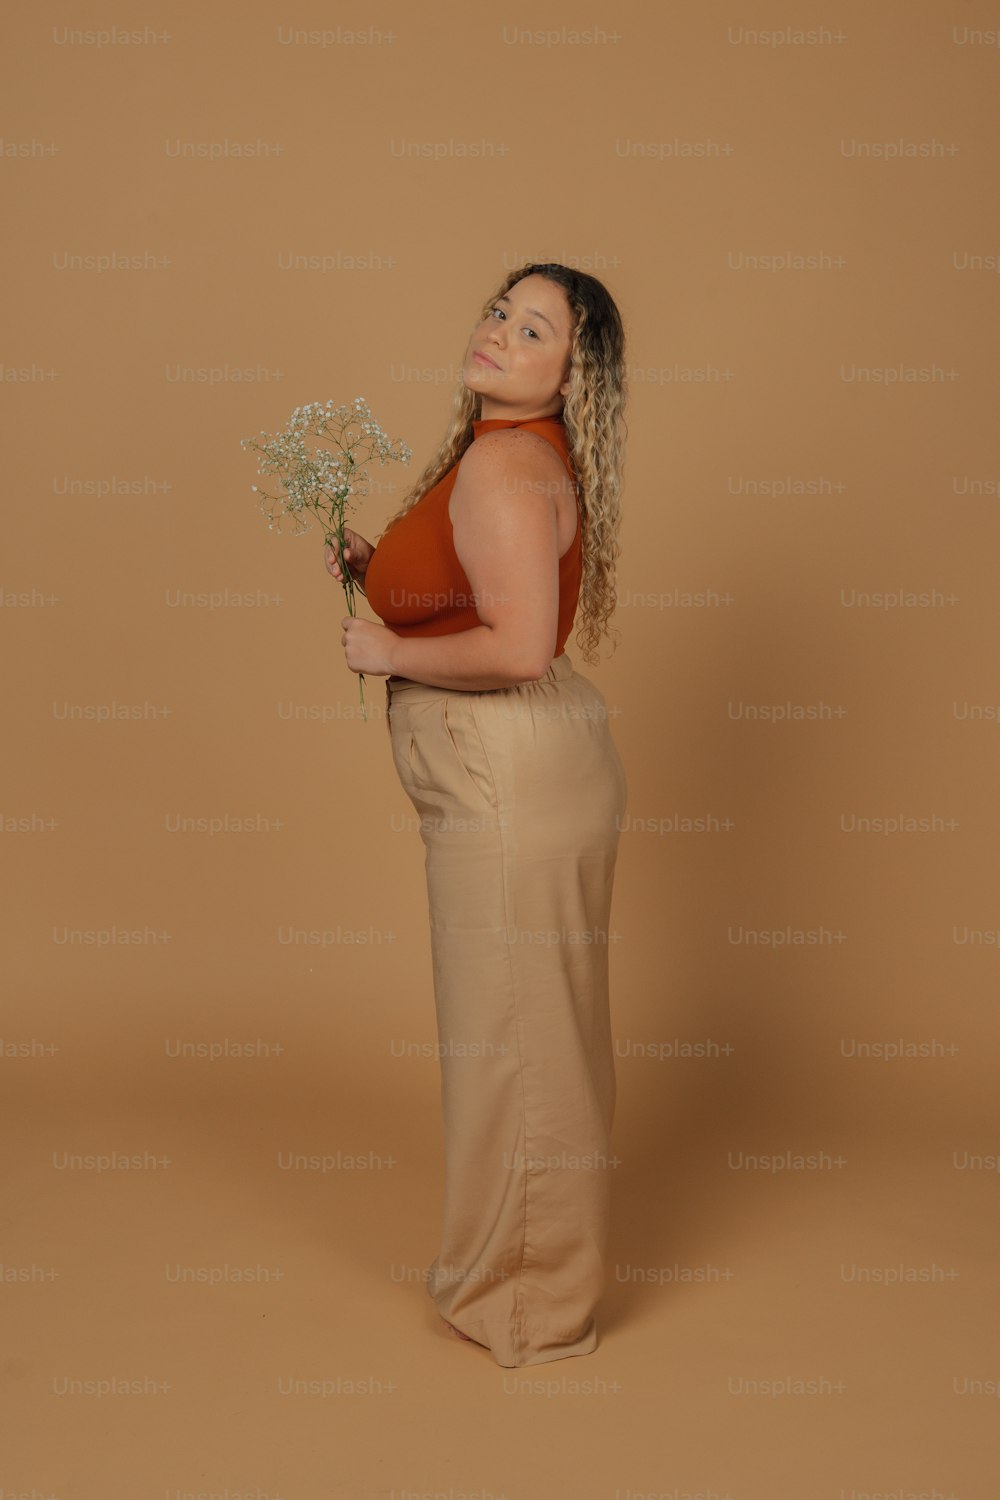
(461, 1335)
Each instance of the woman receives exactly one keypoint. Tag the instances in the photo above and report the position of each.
(505, 751)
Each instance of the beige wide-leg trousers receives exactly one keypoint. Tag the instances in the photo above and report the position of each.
(520, 793)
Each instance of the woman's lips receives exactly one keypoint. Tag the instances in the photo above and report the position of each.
(478, 354)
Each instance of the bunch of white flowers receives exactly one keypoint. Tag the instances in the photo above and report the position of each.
(324, 480)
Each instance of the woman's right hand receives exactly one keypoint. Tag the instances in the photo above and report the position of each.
(357, 555)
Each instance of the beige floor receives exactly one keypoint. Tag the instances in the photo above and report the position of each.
(719, 1278)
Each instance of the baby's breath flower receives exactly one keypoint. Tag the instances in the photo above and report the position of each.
(323, 481)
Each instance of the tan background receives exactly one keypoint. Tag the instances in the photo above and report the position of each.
(424, 162)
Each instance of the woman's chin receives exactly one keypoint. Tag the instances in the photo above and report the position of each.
(480, 376)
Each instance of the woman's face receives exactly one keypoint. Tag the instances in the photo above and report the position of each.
(526, 339)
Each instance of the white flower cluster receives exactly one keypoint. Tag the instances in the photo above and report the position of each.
(322, 481)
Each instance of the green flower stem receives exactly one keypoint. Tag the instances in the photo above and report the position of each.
(321, 482)
(337, 540)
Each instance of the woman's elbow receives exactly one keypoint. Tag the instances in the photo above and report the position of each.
(534, 667)
(524, 662)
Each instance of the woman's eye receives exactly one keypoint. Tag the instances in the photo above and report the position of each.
(504, 316)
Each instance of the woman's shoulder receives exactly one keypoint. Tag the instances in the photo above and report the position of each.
(509, 461)
(507, 448)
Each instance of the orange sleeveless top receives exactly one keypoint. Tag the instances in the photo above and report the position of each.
(415, 582)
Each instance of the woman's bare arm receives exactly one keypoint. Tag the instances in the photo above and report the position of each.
(504, 519)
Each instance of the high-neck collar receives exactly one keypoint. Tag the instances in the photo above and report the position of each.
(486, 424)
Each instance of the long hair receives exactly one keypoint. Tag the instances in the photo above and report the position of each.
(594, 422)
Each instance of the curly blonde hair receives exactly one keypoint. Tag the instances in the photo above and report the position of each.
(594, 421)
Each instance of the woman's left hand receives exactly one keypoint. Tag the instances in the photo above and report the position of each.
(367, 646)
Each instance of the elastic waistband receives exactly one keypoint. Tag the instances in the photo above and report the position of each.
(405, 687)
